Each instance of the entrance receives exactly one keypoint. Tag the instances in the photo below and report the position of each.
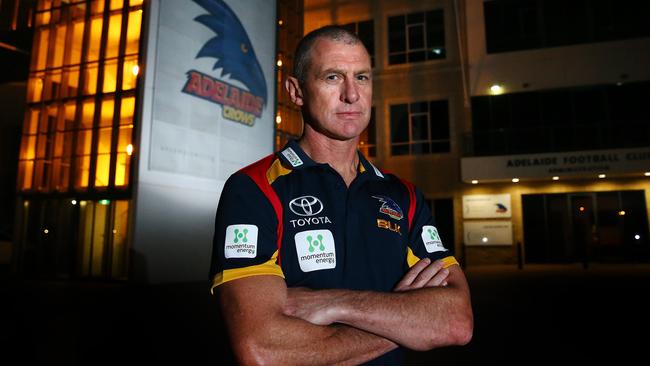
(65, 238)
(586, 227)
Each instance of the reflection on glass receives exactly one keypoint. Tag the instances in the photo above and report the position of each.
(103, 169)
(133, 32)
(59, 46)
(119, 245)
(130, 73)
(41, 46)
(114, 30)
(94, 40)
(110, 76)
(90, 84)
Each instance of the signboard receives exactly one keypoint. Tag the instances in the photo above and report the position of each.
(213, 99)
(486, 206)
(579, 163)
(487, 232)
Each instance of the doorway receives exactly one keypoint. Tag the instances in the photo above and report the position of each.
(586, 227)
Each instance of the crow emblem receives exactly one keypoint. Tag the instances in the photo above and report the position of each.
(231, 47)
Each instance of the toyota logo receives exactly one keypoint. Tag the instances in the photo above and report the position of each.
(306, 206)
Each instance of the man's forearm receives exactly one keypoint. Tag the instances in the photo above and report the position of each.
(293, 341)
(419, 319)
(262, 334)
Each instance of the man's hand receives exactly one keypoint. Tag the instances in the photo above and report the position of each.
(423, 274)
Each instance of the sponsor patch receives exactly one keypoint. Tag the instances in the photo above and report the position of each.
(316, 250)
(293, 158)
(241, 241)
(306, 206)
(389, 207)
(431, 239)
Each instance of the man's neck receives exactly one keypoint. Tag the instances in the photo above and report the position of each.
(340, 155)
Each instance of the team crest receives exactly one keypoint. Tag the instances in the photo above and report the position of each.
(236, 58)
(389, 207)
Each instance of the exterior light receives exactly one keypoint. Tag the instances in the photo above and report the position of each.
(621, 213)
(496, 89)
(474, 181)
(637, 236)
(280, 22)
(135, 69)
(104, 202)
(602, 176)
(437, 51)
(46, 231)
(74, 202)
(484, 239)
(581, 209)
(515, 180)
(278, 119)
(279, 63)
(556, 178)
(647, 174)
(129, 149)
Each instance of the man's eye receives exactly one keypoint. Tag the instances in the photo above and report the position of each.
(363, 77)
(332, 77)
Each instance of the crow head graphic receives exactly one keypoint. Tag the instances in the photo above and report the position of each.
(231, 47)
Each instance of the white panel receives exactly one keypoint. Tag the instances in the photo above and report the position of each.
(485, 206)
(487, 232)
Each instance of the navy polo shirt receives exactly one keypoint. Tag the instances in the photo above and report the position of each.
(288, 216)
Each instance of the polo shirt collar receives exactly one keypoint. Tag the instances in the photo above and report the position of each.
(293, 155)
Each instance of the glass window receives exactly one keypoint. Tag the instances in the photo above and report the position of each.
(365, 31)
(133, 32)
(367, 140)
(42, 47)
(94, 40)
(416, 37)
(114, 32)
(420, 128)
(110, 76)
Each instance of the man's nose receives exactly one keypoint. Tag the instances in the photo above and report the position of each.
(350, 93)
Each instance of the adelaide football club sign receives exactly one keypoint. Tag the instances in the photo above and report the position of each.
(235, 57)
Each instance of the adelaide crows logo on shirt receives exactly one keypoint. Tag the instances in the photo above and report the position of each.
(389, 207)
(236, 58)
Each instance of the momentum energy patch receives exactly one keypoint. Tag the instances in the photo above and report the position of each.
(241, 241)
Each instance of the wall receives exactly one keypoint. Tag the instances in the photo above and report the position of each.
(188, 149)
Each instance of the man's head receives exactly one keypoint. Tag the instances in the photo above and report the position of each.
(332, 83)
(302, 56)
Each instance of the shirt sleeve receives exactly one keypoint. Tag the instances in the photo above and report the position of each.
(424, 239)
(245, 236)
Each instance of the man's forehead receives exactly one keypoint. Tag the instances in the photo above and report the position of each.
(328, 53)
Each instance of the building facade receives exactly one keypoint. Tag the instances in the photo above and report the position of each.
(523, 122)
(137, 113)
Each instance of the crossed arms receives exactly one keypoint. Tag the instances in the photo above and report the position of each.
(272, 324)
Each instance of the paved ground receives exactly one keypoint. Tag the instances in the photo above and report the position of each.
(539, 314)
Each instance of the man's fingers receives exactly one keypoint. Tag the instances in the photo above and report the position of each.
(429, 273)
(412, 274)
(440, 279)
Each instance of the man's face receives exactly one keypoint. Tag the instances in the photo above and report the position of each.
(337, 93)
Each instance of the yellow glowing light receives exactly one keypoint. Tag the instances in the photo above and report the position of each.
(135, 70)
(129, 149)
(496, 89)
(515, 180)
(474, 181)
(280, 22)
(647, 174)
(46, 231)
(278, 119)
(74, 202)
(484, 239)
(581, 209)
(602, 176)
(621, 213)
(279, 63)
(556, 178)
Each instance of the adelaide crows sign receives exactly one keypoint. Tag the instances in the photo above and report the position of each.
(236, 58)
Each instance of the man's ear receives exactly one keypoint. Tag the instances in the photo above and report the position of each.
(293, 87)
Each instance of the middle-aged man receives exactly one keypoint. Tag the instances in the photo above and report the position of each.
(320, 258)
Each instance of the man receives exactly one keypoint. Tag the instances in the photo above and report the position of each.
(319, 257)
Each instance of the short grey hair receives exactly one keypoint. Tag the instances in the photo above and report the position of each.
(302, 56)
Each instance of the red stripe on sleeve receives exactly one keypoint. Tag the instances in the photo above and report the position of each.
(257, 172)
(412, 200)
